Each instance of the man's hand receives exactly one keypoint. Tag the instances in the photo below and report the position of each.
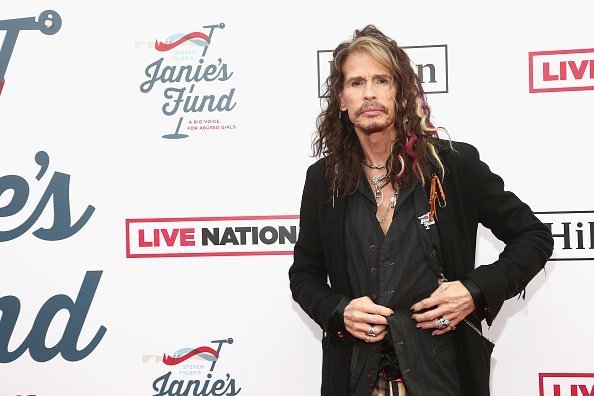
(451, 301)
(366, 320)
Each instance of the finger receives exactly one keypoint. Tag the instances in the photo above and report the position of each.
(440, 289)
(361, 331)
(448, 329)
(434, 325)
(379, 329)
(375, 329)
(431, 325)
(361, 317)
(364, 328)
(430, 315)
(428, 325)
(365, 304)
(371, 339)
(428, 302)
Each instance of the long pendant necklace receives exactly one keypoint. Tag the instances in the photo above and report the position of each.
(378, 182)
(391, 204)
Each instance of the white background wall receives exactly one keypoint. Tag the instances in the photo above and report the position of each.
(75, 95)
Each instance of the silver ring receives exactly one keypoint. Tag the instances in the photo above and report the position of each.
(442, 323)
(371, 331)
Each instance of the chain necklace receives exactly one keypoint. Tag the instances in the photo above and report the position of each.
(373, 166)
(379, 182)
(391, 204)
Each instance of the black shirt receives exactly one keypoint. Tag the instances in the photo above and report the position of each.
(393, 271)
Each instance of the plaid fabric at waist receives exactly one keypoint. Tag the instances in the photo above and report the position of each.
(384, 387)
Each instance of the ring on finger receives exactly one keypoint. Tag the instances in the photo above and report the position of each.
(371, 331)
(442, 323)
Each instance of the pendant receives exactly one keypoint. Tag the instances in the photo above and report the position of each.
(393, 200)
(379, 194)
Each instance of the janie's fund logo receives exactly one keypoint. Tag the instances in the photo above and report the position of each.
(196, 85)
(192, 372)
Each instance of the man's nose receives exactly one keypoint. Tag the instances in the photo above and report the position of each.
(369, 92)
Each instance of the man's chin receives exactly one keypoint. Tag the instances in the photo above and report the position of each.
(373, 128)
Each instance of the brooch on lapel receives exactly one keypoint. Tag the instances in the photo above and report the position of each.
(436, 197)
(426, 220)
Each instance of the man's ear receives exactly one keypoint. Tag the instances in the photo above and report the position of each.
(341, 103)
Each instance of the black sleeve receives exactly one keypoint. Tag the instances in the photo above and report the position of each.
(308, 276)
(528, 242)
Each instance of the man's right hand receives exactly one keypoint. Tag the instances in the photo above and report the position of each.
(361, 314)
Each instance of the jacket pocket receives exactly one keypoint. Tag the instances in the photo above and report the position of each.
(353, 367)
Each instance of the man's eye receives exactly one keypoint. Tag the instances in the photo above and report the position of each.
(383, 81)
(356, 83)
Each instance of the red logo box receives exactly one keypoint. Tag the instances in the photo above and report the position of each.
(211, 236)
(566, 384)
(562, 70)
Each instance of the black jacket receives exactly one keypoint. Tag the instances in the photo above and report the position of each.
(318, 276)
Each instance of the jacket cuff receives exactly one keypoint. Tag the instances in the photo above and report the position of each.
(336, 326)
(480, 304)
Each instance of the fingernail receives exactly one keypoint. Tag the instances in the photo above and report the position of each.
(419, 326)
(412, 309)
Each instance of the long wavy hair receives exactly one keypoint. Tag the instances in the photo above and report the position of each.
(413, 152)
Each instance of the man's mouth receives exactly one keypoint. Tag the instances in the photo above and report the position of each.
(372, 110)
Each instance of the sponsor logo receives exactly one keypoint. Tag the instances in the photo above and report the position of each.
(211, 236)
(194, 86)
(563, 70)
(573, 232)
(193, 363)
(566, 384)
(58, 191)
(48, 22)
(429, 61)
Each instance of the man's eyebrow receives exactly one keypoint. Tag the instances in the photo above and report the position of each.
(354, 78)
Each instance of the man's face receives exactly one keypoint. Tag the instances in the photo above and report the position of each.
(368, 93)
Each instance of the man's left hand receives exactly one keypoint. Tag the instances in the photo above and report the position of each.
(450, 301)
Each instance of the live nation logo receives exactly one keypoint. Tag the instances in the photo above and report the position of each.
(211, 236)
(566, 384)
(573, 232)
(192, 372)
(429, 61)
(562, 70)
(195, 81)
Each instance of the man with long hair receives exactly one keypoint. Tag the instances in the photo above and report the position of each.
(384, 263)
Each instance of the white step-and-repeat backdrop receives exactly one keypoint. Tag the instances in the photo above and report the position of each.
(152, 158)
